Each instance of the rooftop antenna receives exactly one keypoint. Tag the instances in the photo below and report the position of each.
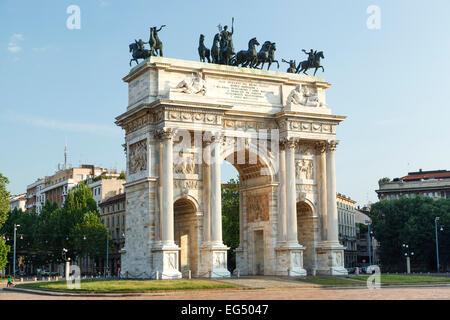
(65, 155)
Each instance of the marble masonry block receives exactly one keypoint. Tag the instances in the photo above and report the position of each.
(330, 259)
(165, 262)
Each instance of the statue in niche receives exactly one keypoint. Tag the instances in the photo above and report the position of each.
(138, 156)
(304, 169)
(304, 96)
(195, 85)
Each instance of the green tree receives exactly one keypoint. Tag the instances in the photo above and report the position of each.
(4, 207)
(411, 221)
(383, 181)
(4, 199)
(230, 219)
(122, 175)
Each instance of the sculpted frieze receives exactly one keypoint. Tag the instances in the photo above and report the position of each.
(137, 160)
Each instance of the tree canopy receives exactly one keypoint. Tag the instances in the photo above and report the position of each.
(230, 219)
(4, 207)
(411, 221)
(76, 227)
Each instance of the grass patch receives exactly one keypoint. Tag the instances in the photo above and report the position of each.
(405, 279)
(333, 281)
(130, 285)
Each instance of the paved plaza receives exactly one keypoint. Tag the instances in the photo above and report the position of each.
(265, 288)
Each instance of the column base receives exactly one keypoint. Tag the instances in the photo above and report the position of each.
(214, 261)
(290, 261)
(165, 262)
(330, 258)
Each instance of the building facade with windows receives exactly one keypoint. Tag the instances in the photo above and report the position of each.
(113, 215)
(58, 185)
(347, 229)
(434, 184)
(35, 196)
(106, 186)
(18, 201)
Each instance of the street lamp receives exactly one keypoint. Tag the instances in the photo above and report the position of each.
(14, 261)
(437, 242)
(408, 255)
(369, 238)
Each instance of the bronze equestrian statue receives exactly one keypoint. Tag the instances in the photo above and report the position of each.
(138, 51)
(203, 52)
(313, 62)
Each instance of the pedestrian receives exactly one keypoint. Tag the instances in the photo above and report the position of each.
(10, 282)
(118, 271)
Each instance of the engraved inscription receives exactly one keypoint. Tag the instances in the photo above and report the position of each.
(244, 90)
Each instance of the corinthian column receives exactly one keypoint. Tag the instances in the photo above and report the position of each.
(332, 214)
(207, 194)
(322, 185)
(167, 234)
(216, 194)
(291, 192)
(282, 195)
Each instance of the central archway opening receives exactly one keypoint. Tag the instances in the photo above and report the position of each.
(305, 232)
(186, 235)
(245, 211)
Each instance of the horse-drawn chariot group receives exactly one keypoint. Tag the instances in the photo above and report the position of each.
(222, 52)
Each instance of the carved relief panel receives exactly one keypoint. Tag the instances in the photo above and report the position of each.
(137, 159)
(257, 208)
(304, 169)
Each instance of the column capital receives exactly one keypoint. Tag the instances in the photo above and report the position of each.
(331, 145)
(321, 147)
(165, 133)
(290, 143)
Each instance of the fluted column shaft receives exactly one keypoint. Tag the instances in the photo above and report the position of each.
(167, 217)
(216, 195)
(332, 214)
(207, 195)
(322, 185)
(282, 196)
(291, 201)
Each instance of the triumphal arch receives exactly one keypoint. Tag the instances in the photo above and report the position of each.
(183, 120)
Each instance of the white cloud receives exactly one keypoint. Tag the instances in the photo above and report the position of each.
(104, 3)
(13, 45)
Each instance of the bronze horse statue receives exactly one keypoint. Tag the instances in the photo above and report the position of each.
(266, 54)
(203, 52)
(215, 49)
(247, 57)
(305, 65)
(138, 53)
(155, 43)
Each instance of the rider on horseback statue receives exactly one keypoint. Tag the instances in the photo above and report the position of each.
(311, 54)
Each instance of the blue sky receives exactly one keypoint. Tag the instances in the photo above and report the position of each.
(392, 84)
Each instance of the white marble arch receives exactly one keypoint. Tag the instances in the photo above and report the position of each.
(232, 101)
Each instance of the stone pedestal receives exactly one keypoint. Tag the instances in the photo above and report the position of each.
(330, 259)
(214, 262)
(290, 261)
(165, 261)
